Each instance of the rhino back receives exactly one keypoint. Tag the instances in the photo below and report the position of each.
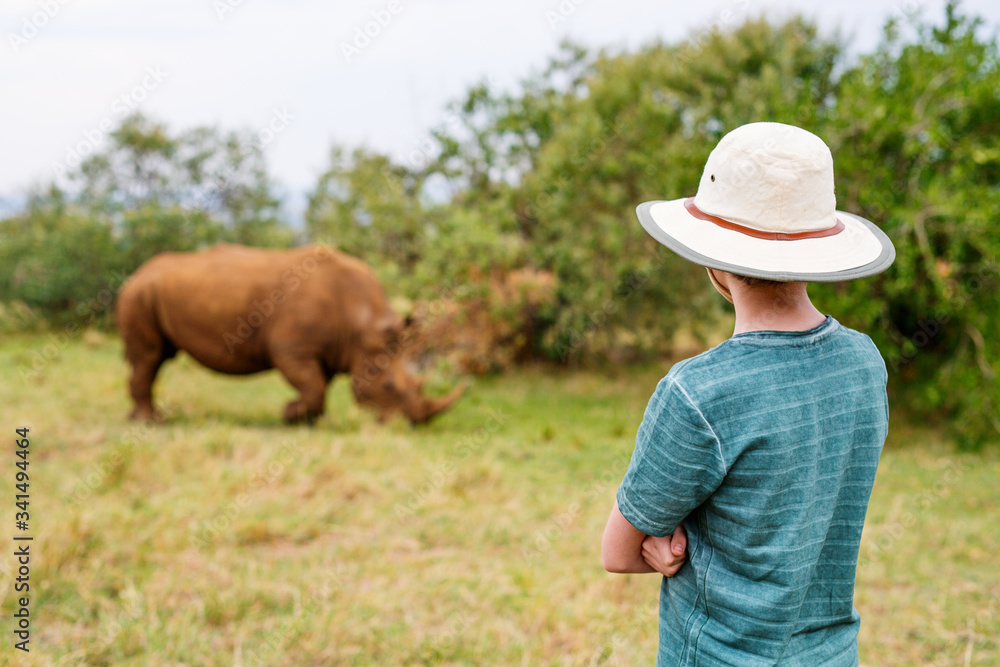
(216, 305)
(232, 308)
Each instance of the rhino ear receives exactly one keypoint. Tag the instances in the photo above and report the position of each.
(390, 325)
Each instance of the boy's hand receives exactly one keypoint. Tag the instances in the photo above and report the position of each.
(666, 554)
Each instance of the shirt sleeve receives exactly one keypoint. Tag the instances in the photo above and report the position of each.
(677, 463)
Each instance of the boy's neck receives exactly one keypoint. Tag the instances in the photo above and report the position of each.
(785, 308)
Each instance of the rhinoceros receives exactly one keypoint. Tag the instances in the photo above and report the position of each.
(311, 312)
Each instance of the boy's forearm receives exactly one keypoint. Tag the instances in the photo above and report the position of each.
(621, 546)
(627, 566)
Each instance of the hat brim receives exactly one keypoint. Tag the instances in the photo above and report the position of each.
(860, 250)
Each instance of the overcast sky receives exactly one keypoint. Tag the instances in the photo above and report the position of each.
(72, 67)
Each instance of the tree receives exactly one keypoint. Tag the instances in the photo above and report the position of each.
(916, 135)
(593, 136)
(178, 192)
(548, 178)
(370, 207)
(145, 192)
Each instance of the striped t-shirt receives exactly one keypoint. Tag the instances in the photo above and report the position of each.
(765, 447)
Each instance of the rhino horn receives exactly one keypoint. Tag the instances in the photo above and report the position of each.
(428, 408)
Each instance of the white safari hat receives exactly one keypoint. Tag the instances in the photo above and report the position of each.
(766, 208)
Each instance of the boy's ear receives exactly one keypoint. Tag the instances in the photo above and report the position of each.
(719, 287)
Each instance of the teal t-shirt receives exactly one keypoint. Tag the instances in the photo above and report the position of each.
(765, 447)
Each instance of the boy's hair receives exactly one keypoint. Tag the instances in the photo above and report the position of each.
(758, 282)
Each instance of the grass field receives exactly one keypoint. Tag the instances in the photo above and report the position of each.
(225, 538)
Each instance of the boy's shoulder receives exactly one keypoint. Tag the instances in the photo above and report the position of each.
(690, 376)
(723, 353)
(736, 357)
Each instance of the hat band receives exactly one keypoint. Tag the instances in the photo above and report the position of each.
(758, 234)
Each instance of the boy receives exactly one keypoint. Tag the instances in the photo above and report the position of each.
(755, 460)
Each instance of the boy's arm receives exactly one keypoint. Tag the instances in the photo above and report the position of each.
(621, 546)
(676, 466)
(626, 549)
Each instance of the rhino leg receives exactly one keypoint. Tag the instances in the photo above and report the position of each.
(306, 375)
(145, 357)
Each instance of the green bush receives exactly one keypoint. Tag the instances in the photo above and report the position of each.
(540, 186)
(916, 134)
(548, 178)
